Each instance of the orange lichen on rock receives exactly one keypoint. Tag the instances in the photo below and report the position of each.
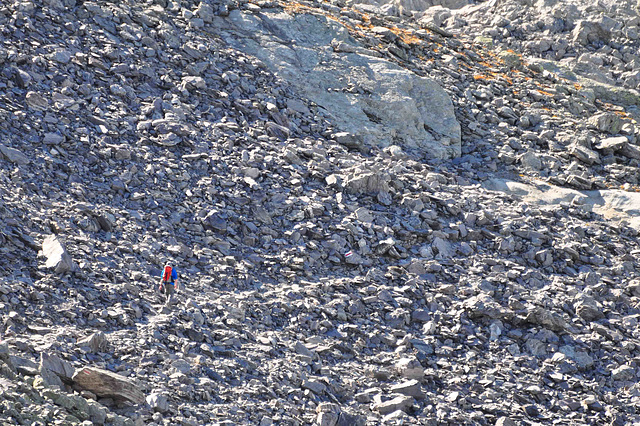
(406, 36)
(542, 92)
(295, 7)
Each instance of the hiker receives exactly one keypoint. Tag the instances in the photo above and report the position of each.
(169, 280)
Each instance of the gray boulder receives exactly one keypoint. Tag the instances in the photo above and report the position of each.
(158, 402)
(13, 155)
(376, 100)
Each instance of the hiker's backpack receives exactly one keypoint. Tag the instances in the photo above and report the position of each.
(166, 276)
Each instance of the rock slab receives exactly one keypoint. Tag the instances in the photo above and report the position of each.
(107, 384)
(377, 101)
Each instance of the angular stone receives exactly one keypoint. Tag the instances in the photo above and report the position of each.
(62, 56)
(57, 256)
(366, 182)
(531, 160)
(50, 379)
(364, 215)
(411, 368)
(97, 341)
(350, 140)
(614, 143)
(13, 155)
(328, 414)
(314, 386)
(36, 101)
(107, 384)
(53, 138)
(158, 402)
(484, 305)
(584, 154)
(55, 364)
(410, 388)
(397, 403)
(588, 309)
(547, 319)
(624, 373)
(303, 350)
(607, 122)
(214, 221)
(54, 370)
(348, 419)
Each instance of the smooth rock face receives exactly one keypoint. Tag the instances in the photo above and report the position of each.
(376, 100)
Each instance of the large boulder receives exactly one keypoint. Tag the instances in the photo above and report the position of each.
(370, 97)
(107, 384)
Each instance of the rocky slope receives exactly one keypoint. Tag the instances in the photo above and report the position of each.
(381, 213)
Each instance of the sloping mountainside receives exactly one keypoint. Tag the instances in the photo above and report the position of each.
(381, 213)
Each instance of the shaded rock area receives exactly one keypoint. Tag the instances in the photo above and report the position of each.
(437, 239)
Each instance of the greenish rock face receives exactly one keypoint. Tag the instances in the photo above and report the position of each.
(487, 41)
(615, 95)
(72, 419)
(588, 88)
(511, 59)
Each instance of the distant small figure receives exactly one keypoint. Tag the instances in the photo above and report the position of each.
(169, 281)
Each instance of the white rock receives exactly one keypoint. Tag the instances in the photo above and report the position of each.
(57, 256)
(158, 402)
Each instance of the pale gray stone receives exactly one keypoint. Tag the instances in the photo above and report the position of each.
(396, 101)
(57, 256)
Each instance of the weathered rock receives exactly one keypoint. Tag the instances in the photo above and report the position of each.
(388, 103)
(606, 122)
(588, 309)
(397, 403)
(547, 319)
(57, 256)
(505, 421)
(107, 384)
(328, 414)
(410, 368)
(13, 155)
(97, 342)
(158, 402)
(61, 368)
(623, 373)
(411, 388)
(586, 32)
